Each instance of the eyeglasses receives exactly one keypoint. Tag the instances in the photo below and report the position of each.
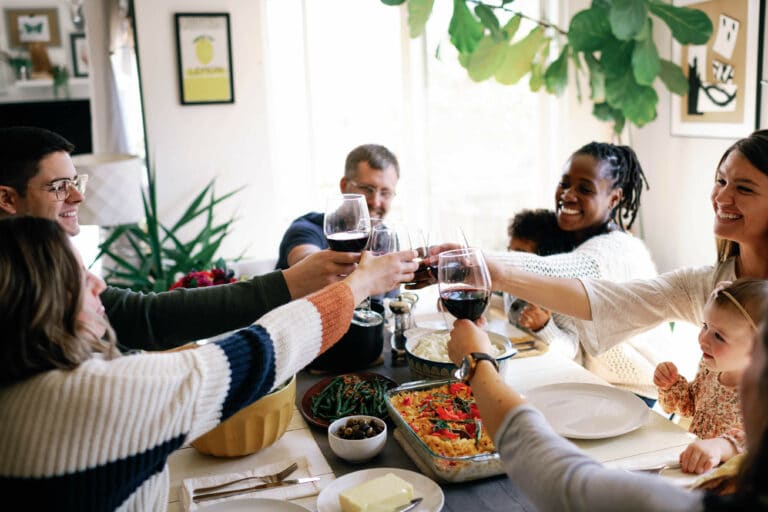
(370, 191)
(63, 187)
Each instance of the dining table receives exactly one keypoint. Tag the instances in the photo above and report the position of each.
(658, 439)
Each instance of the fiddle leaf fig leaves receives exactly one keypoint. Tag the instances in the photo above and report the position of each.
(486, 58)
(556, 76)
(627, 17)
(464, 29)
(689, 26)
(519, 57)
(645, 59)
(614, 38)
(418, 14)
(673, 77)
(589, 30)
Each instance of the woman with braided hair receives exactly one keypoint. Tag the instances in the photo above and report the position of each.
(596, 202)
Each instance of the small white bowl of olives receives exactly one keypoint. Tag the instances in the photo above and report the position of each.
(357, 438)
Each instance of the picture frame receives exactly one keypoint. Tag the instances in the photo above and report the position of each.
(723, 97)
(204, 53)
(79, 47)
(39, 25)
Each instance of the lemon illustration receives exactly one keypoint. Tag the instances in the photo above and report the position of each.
(204, 49)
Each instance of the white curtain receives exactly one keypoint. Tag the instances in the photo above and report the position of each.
(112, 57)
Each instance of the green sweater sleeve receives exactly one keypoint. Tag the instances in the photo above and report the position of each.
(159, 321)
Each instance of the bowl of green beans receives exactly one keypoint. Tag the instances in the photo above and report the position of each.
(349, 394)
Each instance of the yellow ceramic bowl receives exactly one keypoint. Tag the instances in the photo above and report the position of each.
(253, 428)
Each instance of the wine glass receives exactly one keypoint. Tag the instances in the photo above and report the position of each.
(347, 223)
(464, 282)
(383, 239)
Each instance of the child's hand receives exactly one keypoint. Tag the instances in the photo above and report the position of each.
(665, 375)
(704, 454)
(533, 318)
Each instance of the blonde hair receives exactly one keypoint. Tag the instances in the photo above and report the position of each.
(41, 294)
(748, 296)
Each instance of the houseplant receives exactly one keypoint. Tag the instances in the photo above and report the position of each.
(610, 45)
(152, 256)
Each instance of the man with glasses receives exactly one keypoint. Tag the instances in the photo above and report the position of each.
(371, 170)
(38, 178)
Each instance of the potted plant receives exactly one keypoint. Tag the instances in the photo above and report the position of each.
(610, 45)
(152, 256)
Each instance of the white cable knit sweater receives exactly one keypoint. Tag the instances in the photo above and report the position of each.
(617, 257)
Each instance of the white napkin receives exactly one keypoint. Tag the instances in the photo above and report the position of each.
(288, 492)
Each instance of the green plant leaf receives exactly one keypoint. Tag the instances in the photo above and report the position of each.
(689, 26)
(556, 75)
(637, 102)
(419, 12)
(605, 112)
(596, 78)
(673, 77)
(486, 59)
(487, 17)
(616, 57)
(627, 17)
(510, 28)
(517, 58)
(645, 59)
(393, 2)
(589, 30)
(465, 30)
(577, 72)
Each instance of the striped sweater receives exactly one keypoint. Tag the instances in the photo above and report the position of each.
(99, 437)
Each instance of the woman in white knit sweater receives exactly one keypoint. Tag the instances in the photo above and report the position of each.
(600, 188)
(84, 428)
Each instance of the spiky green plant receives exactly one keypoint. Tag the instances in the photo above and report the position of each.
(146, 257)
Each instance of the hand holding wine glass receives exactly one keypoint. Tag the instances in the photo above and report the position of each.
(383, 240)
(464, 282)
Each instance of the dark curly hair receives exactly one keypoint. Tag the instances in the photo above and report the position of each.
(540, 226)
(623, 168)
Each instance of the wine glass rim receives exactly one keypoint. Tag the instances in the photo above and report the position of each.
(459, 252)
(351, 196)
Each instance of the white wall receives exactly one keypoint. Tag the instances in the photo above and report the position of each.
(190, 145)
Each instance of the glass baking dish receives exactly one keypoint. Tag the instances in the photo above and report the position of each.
(446, 468)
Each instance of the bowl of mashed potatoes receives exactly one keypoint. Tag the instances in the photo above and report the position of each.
(427, 353)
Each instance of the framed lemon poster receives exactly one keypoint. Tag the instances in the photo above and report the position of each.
(205, 58)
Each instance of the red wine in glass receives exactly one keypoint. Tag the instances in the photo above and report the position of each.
(346, 223)
(464, 282)
(469, 303)
(348, 241)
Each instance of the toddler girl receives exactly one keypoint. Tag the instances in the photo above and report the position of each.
(731, 315)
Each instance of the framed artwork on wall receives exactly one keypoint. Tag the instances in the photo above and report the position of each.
(27, 26)
(723, 93)
(79, 54)
(204, 55)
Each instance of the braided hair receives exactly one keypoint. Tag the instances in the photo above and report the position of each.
(623, 168)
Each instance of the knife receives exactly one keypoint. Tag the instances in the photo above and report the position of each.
(244, 490)
(408, 506)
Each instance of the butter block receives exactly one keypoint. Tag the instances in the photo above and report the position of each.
(382, 494)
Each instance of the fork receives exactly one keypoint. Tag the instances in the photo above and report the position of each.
(658, 469)
(267, 479)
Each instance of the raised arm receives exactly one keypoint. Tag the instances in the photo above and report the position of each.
(566, 296)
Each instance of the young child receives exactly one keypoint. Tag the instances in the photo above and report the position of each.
(731, 316)
(534, 231)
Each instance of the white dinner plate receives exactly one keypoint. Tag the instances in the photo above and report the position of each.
(589, 411)
(328, 500)
(253, 505)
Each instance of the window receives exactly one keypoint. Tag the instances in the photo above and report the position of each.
(471, 154)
